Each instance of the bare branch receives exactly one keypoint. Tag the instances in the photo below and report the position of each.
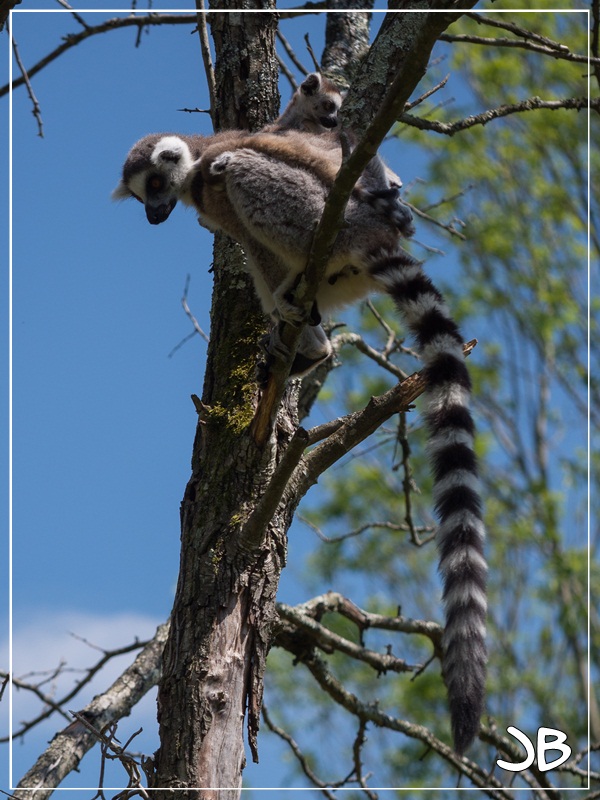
(58, 705)
(51, 704)
(77, 17)
(359, 742)
(253, 532)
(329, 642)
(371, 712)
(68, 747)
(408, 484)
(111, 750)
(357, 426)
(285, 71)
(501, 23)
(334, 602)
(392, 338)
(388, 526)
(357, 341)
(557, 51)
(532, 103)
(73, 39)
(447, 226)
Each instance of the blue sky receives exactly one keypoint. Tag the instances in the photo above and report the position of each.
(103, 424)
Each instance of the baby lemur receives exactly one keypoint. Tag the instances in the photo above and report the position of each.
(267, 191)
(314, 108)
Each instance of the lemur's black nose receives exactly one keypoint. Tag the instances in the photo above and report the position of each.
(158, 214)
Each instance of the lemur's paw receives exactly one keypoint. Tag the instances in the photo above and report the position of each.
(220, 163)
(287, 310)
(313, 348)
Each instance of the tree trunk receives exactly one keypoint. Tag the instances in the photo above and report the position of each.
(215, 655)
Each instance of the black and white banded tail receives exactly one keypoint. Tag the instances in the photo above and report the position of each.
(460, 535)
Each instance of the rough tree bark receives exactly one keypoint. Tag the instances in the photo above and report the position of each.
(224, 605)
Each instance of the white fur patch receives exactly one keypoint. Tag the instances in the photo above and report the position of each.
(455, 479)
(465, 594)
(442, 343)
(137, 185)
(449, 437)
(462, 556)
(447, 394)
(172, 144)
(460, 519)
(462, 628)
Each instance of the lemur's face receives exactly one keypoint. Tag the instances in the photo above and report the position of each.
(155, 173)
(327, 112)
(154, 189)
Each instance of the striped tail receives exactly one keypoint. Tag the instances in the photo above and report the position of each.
(460, 535)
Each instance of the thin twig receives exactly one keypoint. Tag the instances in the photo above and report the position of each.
(447, 226)
(359, 742)
(285, 71)
(427, 94)
(36, 111)
(311, 53)
(388, 526)
(408, 484)
(74, 14)
(302, 760)
(501, 23)
(291, 54)
(197, 328)
(111, 750)
(206, 57)
(392, 339)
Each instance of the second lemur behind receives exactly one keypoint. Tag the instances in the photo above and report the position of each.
(314, 108)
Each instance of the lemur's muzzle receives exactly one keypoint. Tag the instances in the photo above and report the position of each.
(328, 122)
(158, 214)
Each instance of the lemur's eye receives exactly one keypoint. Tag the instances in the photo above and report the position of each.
(155, 182)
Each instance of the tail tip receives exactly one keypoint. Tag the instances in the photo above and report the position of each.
(465, 729)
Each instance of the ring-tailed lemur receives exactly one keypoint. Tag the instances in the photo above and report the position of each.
(268, 192)
(314, 108)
